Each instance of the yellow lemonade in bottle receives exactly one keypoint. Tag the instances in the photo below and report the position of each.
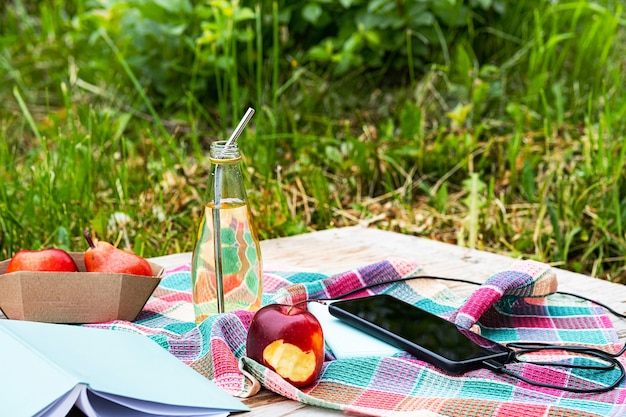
(239, 257)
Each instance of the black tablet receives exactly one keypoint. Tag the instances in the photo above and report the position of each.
(423, 334)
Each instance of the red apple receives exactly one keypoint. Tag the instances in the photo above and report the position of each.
(50, 260)
(289, 340)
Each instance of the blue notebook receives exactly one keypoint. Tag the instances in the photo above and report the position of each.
(345, 341)
(46, 369)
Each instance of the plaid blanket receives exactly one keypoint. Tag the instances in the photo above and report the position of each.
(515, 305)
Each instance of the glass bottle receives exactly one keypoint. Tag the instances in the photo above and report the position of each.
(226, 268)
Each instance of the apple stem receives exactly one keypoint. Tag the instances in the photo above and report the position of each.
(304, 302)
(88, 238)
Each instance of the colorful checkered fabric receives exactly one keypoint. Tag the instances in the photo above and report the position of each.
(399, 385)
(522, 279)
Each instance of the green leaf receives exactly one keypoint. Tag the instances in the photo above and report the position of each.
(311, 12)
(62, 240)
(245, 13)
(348, 3)
(173, 6)
(459, 113)
(418, 16)
(333, 154)
(485, 4)
(528, 181)
(411, 121)
(372, 37)
(320, 53)
(381, 6)
(441, 199)
(474, 202)
(353, 44)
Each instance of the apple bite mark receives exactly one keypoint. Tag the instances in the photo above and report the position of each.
(290, 361)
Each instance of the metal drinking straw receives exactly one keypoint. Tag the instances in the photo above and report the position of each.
(217, 192)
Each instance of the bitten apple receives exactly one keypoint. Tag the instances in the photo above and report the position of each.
(289, 340)
(49, 260)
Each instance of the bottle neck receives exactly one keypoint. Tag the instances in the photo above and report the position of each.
(221, 154)
(226, 185)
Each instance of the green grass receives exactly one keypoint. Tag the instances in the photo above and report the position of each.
(514, 143)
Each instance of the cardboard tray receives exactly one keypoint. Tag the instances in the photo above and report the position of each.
(74, 297)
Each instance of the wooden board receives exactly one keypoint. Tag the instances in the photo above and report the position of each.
(338, 250)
